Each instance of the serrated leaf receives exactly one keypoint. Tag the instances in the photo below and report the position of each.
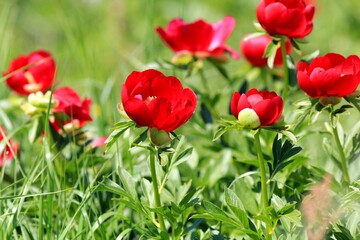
(234, 203)
(282, 154)
(118, 129)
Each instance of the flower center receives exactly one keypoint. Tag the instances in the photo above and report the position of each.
(29, 77)
(149, 99)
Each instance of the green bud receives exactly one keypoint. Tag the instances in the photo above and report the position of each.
(159, 137)
(329, 100)
(249, 119)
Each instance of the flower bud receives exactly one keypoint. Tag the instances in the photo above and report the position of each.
(249, 119)
(159, 137)
(329, 100)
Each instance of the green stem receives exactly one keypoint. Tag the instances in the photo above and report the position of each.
(264, 190)
(286, 68)
(156, 189)
(204, 81)
(343, 159)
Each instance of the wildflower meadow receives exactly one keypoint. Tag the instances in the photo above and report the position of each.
(179, 119)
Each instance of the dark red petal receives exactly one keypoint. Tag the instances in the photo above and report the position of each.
(172, 42)
(168, 87)
(234, 103)
(303, 66)
(274, 13)
(306, 85)
(260, 11)
(265, 112)
(196, 36)
(343, 86)
(138, 112)
(243, 103)
(320, 62)
(309, 12)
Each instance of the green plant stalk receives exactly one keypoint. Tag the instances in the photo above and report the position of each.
(285, 66)
(156, 189)
(264, 190)
(204, 81)
(343, 160)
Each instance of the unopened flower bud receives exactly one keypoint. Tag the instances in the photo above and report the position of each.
(329, 100)
(159, 137)
(248, 118)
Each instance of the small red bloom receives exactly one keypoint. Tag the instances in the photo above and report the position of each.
(331, 75)
(7, 148)
(70, 112)
(32, 73)
(199, 38)
(291, 18)
(268, 106)
(156, 101)
(253, 48)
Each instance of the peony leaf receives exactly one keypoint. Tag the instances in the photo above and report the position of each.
(270, 53)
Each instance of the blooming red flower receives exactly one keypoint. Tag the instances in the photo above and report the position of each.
(32, 73)
(7, 148)
(267, 106)
(70, 112)
(292, 18)
(331, 75)
(199, 38)
(253, 48)
(156, 101)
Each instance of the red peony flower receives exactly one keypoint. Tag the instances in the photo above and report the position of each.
(32, 73)
(255, 109)
(7, 148)
(70, 112)
(291, 18)
(199, 38)
(253, 48)
(331, 75)
(156, 101)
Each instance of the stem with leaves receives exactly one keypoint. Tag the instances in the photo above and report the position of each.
(156, 187)
(286, 68)
(343, 160)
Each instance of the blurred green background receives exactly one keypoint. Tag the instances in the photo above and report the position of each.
(102, 39)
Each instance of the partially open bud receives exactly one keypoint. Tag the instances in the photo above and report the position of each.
(159, 137)
(329, 100)
(249, 119)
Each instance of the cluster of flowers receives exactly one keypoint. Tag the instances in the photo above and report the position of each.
(161, 103)
(33, 76)
(151, 102)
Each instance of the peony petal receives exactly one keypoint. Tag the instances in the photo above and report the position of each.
(222, 31)
(273, 13)
(266, 112)
(305, 84)
(343, 86)
(138, 112)
(234, 103)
